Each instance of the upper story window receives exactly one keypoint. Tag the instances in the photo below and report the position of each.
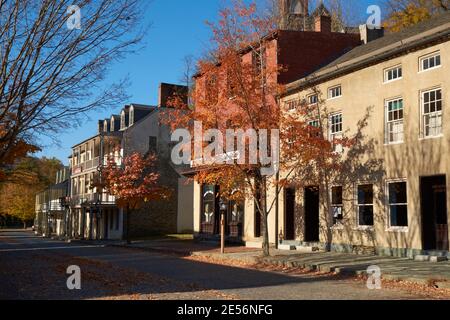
(105, 126)
(393, 74)
(394, 121)
(431, 121)
(259, 58)
(313, 99)
(430, 61)
(292, 104)
(131, 117)
(123, 123)
(334, 92)
(336, 128)
(113, 120)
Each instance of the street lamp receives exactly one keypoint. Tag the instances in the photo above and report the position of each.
(223, 209)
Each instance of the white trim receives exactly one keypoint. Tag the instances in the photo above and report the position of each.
(331, 88)
(385, 73)
(428, 56)
(387, 206)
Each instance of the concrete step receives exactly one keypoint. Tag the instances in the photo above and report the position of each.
(422, 258)
(253, 244)
(436, 259)
(428, 258)
(286, 247)
(306, 249)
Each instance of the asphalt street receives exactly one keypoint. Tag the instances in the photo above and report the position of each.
(35, 268)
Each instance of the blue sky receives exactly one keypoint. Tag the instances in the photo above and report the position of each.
(178, 29)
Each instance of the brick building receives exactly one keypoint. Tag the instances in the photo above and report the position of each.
(302, 44)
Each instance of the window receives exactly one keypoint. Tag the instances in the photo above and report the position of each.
(105, 126)
(113, 128)
(336, 131)
(365, 205)
(398, 207)
(293, 104)
(392, 74)
(432, 113)
(334, 92)
(314, 127)
(430, 62)
(131, 120)
(123, 124)
(313, 99)
(394, 121)
(337, 205)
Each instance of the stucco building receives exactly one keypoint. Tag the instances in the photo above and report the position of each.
(396, 197)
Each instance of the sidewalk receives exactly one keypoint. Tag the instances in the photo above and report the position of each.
(396, 269)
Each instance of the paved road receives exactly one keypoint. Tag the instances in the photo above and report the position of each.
(35, 268)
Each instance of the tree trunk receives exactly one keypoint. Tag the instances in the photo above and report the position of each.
(263, 212)
(24, 224)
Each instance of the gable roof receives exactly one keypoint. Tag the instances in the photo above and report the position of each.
(420, 35)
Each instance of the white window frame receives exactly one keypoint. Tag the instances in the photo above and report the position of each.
(292, 105)
(337, 134)
(388, 123)
(131, 116)
(392, 69)
(309, 99)
(430, 56)
(123, 124)
(389, 227)
(436, 114)
(357, 205)
(330, 91)
(112, 125)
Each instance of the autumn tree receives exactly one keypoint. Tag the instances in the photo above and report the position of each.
(133, 183)
(405, 13)
(54, 58)
(24, 180)
(241, 95)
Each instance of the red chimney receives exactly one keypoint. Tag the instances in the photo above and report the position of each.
(322, 23)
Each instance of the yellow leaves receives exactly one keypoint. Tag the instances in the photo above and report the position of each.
(410, 12)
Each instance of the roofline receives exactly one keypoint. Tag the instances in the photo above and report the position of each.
(426, 38)
(108, 134)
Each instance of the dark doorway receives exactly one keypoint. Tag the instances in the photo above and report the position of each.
(433, 192)
(289, 214)
(312, 214)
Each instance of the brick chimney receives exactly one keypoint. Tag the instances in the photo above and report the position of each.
(293, 14)
(322, 19)
(168, 91)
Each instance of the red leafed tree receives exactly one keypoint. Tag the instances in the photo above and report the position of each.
(133, 183)
(237, 89)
